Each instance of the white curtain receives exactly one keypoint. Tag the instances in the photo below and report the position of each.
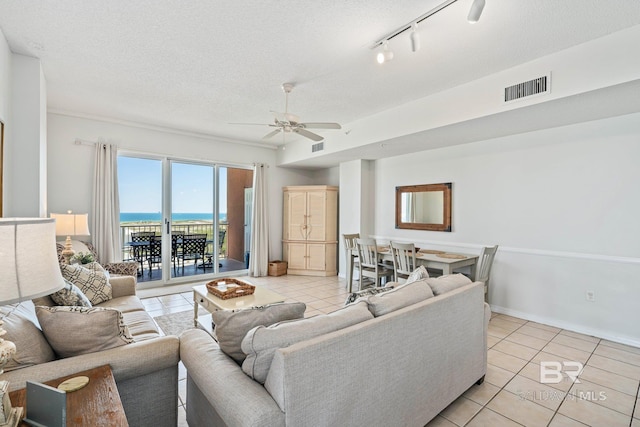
(259, 255)
(106, 204)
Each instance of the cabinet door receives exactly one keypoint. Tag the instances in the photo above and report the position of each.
(296, 214)
(296, 255)
(316, 256)
(316, 215)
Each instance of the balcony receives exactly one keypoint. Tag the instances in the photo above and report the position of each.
(225, 262)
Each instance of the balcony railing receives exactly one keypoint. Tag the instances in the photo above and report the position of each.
(192, 227)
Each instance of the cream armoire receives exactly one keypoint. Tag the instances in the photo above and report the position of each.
(310, 230)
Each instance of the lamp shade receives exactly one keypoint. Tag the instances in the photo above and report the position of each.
(29, 265)
(71, 224)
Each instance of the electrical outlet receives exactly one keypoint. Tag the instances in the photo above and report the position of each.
(591, 296)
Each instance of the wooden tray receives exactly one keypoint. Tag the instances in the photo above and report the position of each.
(230, 288)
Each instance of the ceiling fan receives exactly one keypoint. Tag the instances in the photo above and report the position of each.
(287, 122)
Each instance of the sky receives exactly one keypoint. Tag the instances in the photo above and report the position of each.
(140, 186)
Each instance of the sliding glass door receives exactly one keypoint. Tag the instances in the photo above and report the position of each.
(182, 220)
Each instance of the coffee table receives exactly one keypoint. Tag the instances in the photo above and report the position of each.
(202, 297)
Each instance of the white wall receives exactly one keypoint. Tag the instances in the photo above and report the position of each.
(5, 101)
(563, 204)
(25, 173)
(71, 166)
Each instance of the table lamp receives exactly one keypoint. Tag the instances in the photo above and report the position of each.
(70, 224)
(29, 269)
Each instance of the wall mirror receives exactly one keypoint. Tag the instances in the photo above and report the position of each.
(424, 207)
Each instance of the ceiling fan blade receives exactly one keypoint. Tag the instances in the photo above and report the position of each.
(252, 124)
(321, 125)
(308, 134)
(273, 133)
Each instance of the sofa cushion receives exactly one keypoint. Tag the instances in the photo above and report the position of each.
(23, 329)
(93, 283)
(261, 342)
(400, 297)
(232, 326)
(366, 292)
(70, 295)
(443, 284)
(78, 330)
(141, 325)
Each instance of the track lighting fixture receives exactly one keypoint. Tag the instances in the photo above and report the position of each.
(415, 38)
(475, 11)
(385, 55)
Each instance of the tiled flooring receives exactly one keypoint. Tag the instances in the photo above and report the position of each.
(512, 393)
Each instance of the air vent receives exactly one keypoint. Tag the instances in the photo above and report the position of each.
(317, 147)
(532, 87)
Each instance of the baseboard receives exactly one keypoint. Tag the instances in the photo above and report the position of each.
(598, 333)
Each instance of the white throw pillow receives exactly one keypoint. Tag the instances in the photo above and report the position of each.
(400, 297)
(447, 283)
(418, 274)
(70, 295)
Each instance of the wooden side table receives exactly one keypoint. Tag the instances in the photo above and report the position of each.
(96, 404)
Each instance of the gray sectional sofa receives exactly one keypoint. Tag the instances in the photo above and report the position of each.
(145, 371)
(402, 365)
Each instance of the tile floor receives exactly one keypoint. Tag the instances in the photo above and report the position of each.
(512, 394)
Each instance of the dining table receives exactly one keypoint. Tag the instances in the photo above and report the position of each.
(447, 262)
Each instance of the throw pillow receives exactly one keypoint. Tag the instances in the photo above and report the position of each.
(261, 343)
(400, 297)
(232, 326)
(417, 274)
(72, 331)
(70, 295)
(443, 284)
(93, 283)
(365, 293)
(23, 329)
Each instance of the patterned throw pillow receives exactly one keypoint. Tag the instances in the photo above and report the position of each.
(93, 283)
(418, 274)
(364, 293)
(72, 331)
(70, 295)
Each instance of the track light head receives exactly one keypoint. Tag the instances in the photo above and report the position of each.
(385, 55)
(475, 11)
(415, 38)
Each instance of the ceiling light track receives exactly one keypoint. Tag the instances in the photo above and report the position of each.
(386, 55)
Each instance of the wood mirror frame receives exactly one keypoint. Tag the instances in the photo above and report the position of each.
(443, 205)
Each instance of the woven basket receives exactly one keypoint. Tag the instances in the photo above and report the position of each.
(230, 288)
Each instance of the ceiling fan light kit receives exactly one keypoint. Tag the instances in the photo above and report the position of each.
(386, 55)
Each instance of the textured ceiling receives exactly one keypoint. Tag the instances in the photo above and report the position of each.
(199, 65)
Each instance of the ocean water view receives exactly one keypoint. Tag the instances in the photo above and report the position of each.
(157, 217)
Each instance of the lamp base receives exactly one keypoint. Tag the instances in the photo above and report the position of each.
(68, 251)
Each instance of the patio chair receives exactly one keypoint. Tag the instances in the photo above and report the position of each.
(193, 248)
(154, 254)
(221, 236)
(176, 247)
(140, 249)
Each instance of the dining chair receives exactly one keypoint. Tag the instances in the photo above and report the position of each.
(368, 263)
(483, 272)
(140, 249)
(193, 248)
(154, 253)
(404, 259)
(351, 255)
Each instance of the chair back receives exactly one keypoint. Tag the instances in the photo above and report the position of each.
(221, 235)
(404, 259)
(193, 245)
(350, 241)
(367, 252)
(155, 247)
(485, 262)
